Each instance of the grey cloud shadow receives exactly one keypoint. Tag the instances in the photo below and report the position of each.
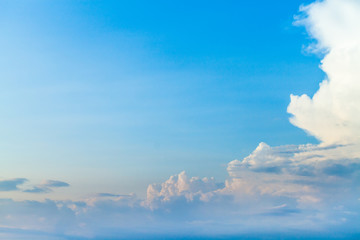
(11, 184)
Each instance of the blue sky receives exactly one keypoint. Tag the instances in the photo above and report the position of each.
(152, 88)
(102, 101)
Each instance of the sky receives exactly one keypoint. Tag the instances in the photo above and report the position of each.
(181, 119)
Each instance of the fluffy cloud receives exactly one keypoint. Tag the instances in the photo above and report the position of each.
(298, 161)
(179, 186)
(184, 206)
(333, 114)
(305, 172)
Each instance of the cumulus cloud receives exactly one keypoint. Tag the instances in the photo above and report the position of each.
(300, 161)
(179, 186)
(333, 114)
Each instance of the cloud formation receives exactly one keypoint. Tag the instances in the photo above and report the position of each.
(44, 187)
(11, 184)
(47, 186)
(179, 186)
(333, 114)
(291, 189)
(276, 201)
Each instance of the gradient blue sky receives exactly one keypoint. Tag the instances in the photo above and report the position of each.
(172, 119)
(141, 90)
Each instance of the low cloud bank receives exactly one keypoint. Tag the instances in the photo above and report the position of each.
(286, 189)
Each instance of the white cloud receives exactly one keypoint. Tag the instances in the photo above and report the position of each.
(179, 186)
(333, 114)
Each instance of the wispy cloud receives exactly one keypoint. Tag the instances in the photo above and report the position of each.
(47, 186)
(11, 184)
